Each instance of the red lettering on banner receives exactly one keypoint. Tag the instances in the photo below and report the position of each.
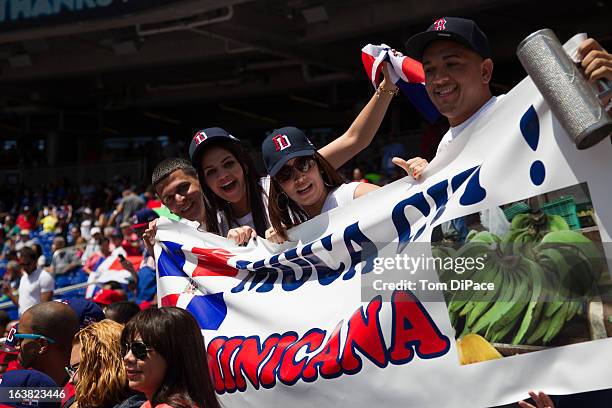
(413, 331)
(227, 351)
(249, 358)
(268, 372)
(365, 334)
(213, 364)
(327, 361)
(289, 372)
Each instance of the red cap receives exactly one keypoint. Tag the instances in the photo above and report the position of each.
(108, 296)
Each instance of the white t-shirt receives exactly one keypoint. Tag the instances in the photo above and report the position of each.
(340, 197)
(31, 286)
(224, 225)
(454, 132)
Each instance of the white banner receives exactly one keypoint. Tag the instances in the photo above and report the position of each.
(287, 326)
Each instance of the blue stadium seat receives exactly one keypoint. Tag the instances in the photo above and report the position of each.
(63, 280)
(71, 278)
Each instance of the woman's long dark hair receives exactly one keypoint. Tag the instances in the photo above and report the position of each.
(175, 334)
(289, 213)
(254, 190)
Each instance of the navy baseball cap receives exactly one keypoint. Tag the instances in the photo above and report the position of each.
(87, 311)
(456, 29)
(283, 145)
(203, 137)
(142, 217)
(28, 379)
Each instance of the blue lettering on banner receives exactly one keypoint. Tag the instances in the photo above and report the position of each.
(530, 129)
(263, 274)
(474, 193)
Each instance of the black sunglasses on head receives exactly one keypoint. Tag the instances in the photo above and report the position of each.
(301, 164)
(138, 349)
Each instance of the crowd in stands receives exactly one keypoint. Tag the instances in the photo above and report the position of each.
(59, 235)
(88, 356)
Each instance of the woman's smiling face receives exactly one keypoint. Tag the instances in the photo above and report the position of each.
(223, 174)
(147, 374)
(306, 188)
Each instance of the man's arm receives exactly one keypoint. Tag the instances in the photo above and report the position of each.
(362, 130)
(70, 266)
(47, 286)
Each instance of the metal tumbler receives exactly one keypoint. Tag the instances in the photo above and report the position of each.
(563, 85)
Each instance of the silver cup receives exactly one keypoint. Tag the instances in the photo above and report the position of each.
(570, 97)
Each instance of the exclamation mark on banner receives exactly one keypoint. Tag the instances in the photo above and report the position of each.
(530, 129)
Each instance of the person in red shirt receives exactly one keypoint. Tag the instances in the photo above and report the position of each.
(26, 220)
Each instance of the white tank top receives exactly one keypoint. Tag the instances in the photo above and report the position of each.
(340, 197)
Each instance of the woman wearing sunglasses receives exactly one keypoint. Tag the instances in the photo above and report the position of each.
(165, 359)
(304, 184)
(238, 193)
(96, 366)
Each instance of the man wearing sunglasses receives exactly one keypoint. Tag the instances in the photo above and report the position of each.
(36, 285)
(44, 339)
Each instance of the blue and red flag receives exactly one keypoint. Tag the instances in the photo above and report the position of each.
(407, 74)
(181, 289)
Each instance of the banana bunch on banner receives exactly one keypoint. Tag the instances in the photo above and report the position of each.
(542, 274)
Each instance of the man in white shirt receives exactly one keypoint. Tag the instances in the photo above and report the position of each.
(456, 58)
(36, 284)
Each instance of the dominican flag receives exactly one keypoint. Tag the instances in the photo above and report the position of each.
(182, 270)
(407, 74)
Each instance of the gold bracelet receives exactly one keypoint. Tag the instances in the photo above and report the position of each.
(380, 90)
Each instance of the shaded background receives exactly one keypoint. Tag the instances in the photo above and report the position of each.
(94, 88)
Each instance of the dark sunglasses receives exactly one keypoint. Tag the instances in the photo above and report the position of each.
(301, 164)
(138, 349)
